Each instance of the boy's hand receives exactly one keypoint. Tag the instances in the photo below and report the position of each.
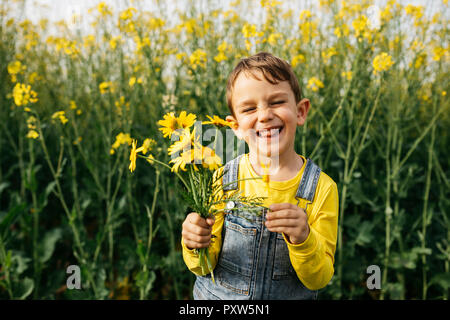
(196, 231)
(290, 220)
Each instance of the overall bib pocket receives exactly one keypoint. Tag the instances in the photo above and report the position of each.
(282, 267)
(235, 265)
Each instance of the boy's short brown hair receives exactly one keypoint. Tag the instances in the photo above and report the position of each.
(273, 70)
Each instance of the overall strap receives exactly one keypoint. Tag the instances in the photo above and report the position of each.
(308, 184)
(231, 174)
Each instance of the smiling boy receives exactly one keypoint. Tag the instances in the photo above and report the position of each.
(288, 252)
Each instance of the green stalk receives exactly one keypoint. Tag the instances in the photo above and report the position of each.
(59, 194)
(36, 265)
(420, 138)
(150, 232)
(341, 213)
(425, 210)
(387, 212)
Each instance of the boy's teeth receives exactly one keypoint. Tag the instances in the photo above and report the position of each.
(269, 133)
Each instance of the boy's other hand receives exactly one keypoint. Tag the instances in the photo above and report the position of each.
(290, 220)
(196, 231)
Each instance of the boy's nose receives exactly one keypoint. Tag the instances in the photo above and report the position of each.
(265, 114)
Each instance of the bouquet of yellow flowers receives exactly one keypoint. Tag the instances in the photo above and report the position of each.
(197, 168)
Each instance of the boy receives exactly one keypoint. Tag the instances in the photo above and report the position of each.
(288, 253)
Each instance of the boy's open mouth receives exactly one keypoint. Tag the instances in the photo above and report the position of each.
(269, 132)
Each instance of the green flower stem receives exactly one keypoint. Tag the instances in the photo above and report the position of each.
(167, 166)
(55, 173)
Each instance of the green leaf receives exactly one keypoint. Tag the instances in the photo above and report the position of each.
(19, 262)
(140, 250)
(102, 291)
(442, 279)
(144, 280)
(10, 218)
(364, 236)
(47, 246)
(421, 251)
(3, 186)
(24, 288)
(43, 198)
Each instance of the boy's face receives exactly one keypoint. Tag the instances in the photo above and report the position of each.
(266, 114)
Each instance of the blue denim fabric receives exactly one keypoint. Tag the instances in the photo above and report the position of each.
(254, 263)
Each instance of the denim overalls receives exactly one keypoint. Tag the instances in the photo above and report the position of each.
(254, 263)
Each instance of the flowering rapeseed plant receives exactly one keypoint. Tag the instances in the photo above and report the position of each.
(23, 94)
(382, 62)
(314, 84)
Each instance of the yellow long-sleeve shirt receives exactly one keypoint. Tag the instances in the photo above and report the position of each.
(312, 259)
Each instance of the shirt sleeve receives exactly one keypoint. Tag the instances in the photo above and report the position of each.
(313, 259)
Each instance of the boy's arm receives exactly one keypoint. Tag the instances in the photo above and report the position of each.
(191, 258)
(313, 259)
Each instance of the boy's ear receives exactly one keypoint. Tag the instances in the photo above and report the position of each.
(302, 111)
(235, 127)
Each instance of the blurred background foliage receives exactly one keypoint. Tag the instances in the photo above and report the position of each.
(74, 93)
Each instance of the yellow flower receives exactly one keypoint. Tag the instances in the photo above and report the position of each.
(347, 74)
(438, 52)
(181, 161)
(198, 58)
(121, 138)
(114, 41)
(169, 124)
(32, 134)
(181, 55)
(415, 11)
(148, 145)
(31, 123)
(103, 8)
(273, 38)
(249, 30)
(328, 53)
(220, 57)
(187, 139)
(305, 14)
(308, 30)
(420, 60)
(15, 67)
(360, 25)
(132, 81)
(343, 30)
(297, 59)
(23, 94)
(269, 3)
(382, 62)
(61, 115)
(149, 159)
(133, 155)
(218, 122)
(72, 104)
(128, 13)
(186, 120)
(314, 84)
(105, 87)
(209, 159)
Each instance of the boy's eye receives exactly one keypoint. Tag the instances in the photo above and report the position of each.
(278, 102)
(248, 109)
